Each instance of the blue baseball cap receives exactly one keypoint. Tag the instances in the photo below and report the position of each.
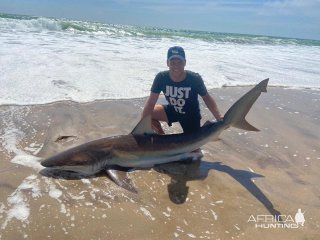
(176, 52)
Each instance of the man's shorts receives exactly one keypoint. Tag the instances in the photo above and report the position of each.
(189, 123)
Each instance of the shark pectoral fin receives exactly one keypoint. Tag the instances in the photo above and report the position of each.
(121, 179)
(246, 126)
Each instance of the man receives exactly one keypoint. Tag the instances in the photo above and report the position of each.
(181, 89)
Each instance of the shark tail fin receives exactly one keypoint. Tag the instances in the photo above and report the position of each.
(235, 116)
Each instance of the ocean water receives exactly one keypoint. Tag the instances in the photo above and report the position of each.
(44, 60)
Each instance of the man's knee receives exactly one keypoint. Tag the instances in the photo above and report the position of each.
(156, 127)
(159, 113)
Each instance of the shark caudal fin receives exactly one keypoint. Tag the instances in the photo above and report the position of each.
(235, 116)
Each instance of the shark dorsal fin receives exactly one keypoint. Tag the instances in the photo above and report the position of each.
(207, 123)
(143, 127)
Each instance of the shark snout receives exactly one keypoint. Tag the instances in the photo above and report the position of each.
(47, 163)
(54, 162)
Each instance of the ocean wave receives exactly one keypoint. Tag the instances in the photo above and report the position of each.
(45, 60)
(26, 23)
(9, 22)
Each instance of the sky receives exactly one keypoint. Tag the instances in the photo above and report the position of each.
(286, 18)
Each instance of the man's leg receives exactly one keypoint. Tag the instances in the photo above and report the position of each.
(158, 114)
(156, 127)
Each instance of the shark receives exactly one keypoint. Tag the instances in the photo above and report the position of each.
(143, 148)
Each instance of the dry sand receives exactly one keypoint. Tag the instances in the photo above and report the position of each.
(243, 178)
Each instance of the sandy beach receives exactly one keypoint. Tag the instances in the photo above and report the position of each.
(241, 182)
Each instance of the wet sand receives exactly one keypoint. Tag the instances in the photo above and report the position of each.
(241, 181)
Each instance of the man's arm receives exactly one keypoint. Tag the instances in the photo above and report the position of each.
(211, 104)
(149, 105)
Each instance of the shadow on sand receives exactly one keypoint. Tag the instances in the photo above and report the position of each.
(180, 173)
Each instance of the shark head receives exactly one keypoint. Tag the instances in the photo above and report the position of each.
(78, 160)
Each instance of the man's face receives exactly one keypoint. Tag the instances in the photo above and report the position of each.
(176, 66)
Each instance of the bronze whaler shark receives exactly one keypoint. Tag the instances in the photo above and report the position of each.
(143, 148)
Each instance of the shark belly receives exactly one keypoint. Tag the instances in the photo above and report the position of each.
(147, 162)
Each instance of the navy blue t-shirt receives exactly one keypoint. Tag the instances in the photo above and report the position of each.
(183, 96)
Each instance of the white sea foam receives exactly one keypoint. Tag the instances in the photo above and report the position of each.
(54, 192)
(18, 201)
(41, 62)
(28, 161)
(17, 205)
(147, 213)
(215, 216)
(10, 137)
